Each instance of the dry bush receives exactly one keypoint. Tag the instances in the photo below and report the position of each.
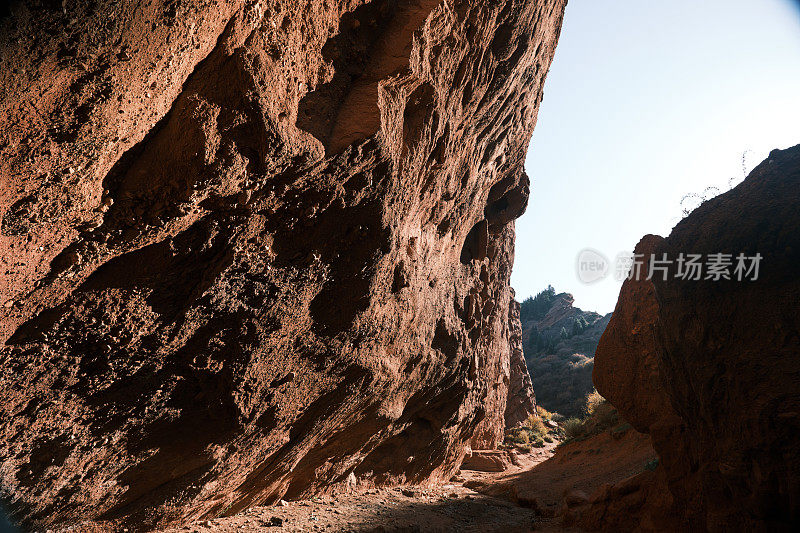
(533, 432)
(573, 428)
(518, 436)
(599, 416)
(536, 426)
(543, 413)
(593, 401)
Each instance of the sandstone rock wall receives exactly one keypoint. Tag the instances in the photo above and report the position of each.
(252, 249)
(710, 368)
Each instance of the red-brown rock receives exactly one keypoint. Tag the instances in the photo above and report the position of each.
(556, 486)
(632, 383)
(639, 503)
(251, 249)
(627, 369)
(722, 357)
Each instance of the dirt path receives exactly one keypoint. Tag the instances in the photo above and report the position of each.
(445, 508)
(523, 498)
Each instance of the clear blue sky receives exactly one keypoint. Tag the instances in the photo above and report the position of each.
(646, 102)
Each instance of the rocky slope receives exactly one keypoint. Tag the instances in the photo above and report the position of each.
(710, 368)
(252, 249)
(559, 345)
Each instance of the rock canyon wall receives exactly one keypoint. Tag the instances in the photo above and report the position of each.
(711, 369)
(252, 249)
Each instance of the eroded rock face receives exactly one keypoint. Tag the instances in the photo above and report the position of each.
(632, 382)
(252, 248)
(627, 372)
(717, 361)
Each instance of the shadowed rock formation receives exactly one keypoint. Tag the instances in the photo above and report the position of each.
(521, 401)
(710, 368)
(253, 249)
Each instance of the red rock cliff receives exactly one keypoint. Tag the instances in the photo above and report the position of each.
(251, 249)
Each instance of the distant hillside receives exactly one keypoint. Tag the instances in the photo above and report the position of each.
(559, 341)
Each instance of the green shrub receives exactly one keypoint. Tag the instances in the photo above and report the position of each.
(536, 426)
(606, 416)
(599, 416)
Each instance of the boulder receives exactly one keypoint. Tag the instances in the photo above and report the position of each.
(489, 460)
